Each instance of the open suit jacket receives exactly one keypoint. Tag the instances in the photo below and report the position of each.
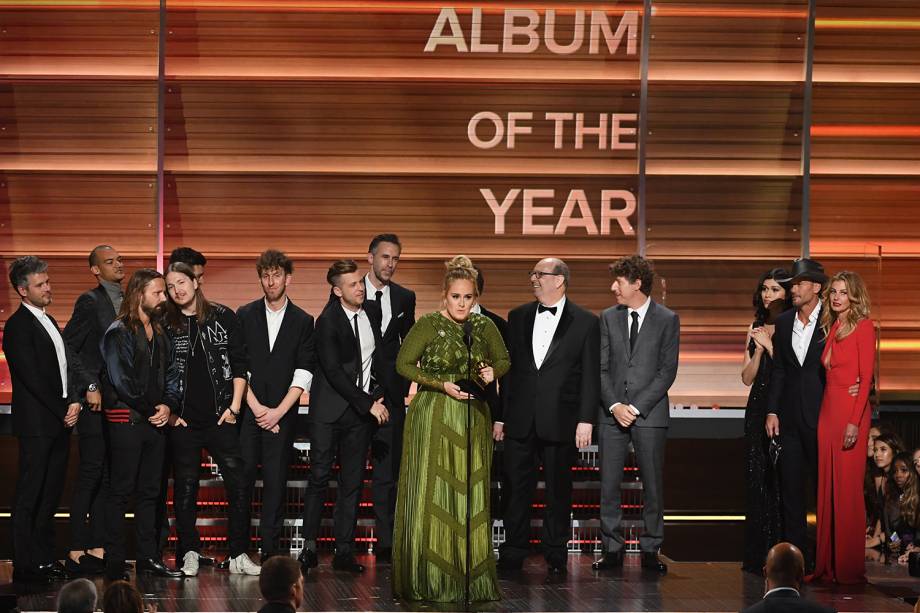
(402, 306)
(565, 389)
(796, 389)
(643, 378)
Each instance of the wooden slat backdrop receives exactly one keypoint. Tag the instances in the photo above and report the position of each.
(311, 125)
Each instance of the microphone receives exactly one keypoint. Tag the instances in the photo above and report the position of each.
(468, 333)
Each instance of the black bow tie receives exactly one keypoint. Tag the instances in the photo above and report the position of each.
(542, 308)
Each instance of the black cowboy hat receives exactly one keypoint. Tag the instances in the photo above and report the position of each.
(806, 269)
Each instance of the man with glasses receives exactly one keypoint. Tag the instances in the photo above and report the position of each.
(550, 401)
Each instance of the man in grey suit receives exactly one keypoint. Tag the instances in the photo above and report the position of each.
(640, 342)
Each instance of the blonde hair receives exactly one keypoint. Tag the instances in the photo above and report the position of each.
(460, 268)
(858, 311)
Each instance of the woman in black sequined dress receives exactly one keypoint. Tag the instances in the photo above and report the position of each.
(763, 523)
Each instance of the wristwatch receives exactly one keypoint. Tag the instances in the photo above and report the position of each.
(92, 387)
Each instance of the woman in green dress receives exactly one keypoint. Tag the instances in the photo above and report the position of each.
(429, 541)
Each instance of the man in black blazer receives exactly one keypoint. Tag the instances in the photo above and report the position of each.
(45, 376)
(785, 573)
(640, 343)
(345, 405)
(796, 390)
(549, 404)
(397, 309)
(93, 313)
(279, 348)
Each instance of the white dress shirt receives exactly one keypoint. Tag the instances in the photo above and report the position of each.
(56, 338)
(802, 333)
(302, 378)
(778, 589)
(642, 311)
(368, 345)
(544, 327)
(386, 306)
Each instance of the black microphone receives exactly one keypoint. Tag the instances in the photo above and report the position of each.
(468, 333)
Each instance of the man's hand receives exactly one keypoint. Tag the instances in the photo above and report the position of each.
(453, 390)
(380, 413)
(228, 417)
(583, 435)
(498, 431)
(623, 414)
(258, 409)
(94, 400)
(487, 374)
(161, 417)
(772, 425)
(73, 412)
(854, 389)
(176, 422)
(269, 419)
(849, 437)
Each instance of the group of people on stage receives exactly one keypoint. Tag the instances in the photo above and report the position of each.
(810, 361)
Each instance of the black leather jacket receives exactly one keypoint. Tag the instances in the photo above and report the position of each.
(223, 341)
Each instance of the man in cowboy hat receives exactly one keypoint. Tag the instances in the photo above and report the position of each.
(796, 389)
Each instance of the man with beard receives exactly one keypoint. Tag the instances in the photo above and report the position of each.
(397, 307)
(210, 353)
(93, 313)
(140, 390)
(45, 408)
(279, 351)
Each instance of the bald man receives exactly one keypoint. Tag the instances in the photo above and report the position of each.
(785, 571)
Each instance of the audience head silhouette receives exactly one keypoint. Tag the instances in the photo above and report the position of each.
(78, 596)
(785, 566)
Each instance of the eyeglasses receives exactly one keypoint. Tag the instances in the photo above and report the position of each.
(540, 274)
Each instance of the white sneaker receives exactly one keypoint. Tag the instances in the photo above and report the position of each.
(242, 565)
(190, 564)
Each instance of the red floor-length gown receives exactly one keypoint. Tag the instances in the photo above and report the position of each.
(841, 512)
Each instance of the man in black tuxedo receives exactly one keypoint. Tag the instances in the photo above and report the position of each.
(785, 573)
(345, 405)
(279, 349)
(45, 375)
(550, 402)
(397, 310)
(93, 313)
(796, 390)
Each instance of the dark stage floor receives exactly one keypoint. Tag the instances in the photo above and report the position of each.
(689, 586)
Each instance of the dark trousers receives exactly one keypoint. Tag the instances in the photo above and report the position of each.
(223, 444)
(273, 452)
(89, 494)
(162, 512)
(135, 469)
(386, 451)
(42, 467)
(649, 445)
(798, 473)
(349, 436)
(522, 457)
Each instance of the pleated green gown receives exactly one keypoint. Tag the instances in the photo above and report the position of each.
(429, 540)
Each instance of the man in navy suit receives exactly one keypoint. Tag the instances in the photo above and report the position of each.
(45, 375)
(785, 572)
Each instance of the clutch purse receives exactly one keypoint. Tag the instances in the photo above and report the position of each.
(473, 388)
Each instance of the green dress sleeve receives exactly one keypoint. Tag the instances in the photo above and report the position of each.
(498, 353)
(413, 346)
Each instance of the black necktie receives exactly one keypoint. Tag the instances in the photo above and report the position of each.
(633, 330)
(379, 295)
(542, 308)
(360, 357)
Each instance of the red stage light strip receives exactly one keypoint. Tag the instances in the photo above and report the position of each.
(865, 131)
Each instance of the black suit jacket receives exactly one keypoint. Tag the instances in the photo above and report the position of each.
(402, 306)
(93, 313)
(565, 390)
(787, 601)
(492, 390)
(796, 390)
(270, 372)
(38, 404)
(335, 384)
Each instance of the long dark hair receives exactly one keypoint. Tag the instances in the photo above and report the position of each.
(761, 312)
(134, 295)
(203, 308)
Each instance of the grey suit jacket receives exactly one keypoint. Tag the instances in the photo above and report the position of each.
(643, 378)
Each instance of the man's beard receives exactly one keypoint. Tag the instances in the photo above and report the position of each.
(156, 311)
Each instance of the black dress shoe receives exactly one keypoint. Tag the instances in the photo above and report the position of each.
(610, 560)
(224, 564)
(650, 561)
(53, 570)
(509, 564)
(75, 569)
(208, 561)
(156, 567)
(307, 559)
(30, 576)
(347, 562)
(91, 564)
(383, 554)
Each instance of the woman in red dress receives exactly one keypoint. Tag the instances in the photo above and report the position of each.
(843, 430)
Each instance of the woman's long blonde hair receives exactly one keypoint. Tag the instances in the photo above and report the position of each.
(858, 311)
